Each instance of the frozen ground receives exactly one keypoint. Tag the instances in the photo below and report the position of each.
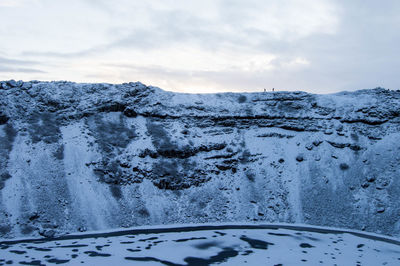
(77, 157)
(208, 245)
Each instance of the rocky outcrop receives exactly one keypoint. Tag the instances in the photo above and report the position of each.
(79, 157)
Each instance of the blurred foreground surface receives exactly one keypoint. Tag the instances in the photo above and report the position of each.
(252, 245)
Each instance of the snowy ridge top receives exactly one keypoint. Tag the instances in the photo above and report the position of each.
(76, 100)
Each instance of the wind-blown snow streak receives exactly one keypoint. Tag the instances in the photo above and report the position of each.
(101, 156)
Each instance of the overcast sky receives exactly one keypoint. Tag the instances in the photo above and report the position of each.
(317, 46)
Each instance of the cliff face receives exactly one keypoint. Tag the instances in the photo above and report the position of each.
(101, 156)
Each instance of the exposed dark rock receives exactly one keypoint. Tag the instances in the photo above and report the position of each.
(353, 147)
(222, 156)
(177, 174)
(298, 128)
(309, 146)
(250, 175)
(338, 145)
(364, 185)
(380, 210)
(124, 165)
(110, 172)
(59, 153)
(48, 233)
(3, 119)
(276, 135)
(316, 143)
(3, 178)
(111, 135)
(112, 107)
(371, 122)
(34, 216)
(116, 191)
(344, 166)
(172, 151)
(223, 167)
(144, 212)
(44, 127)
(129, 112)
(12, 83)
(242, 99)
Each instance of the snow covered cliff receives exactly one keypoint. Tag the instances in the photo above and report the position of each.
(77, 157)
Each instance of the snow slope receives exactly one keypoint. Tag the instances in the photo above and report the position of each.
(76, 157)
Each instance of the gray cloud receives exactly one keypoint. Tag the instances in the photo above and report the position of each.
(9, 65)
(362, 54)
(361, 51)
(172, 27)
(9, 61)
(80, 53)
(5, 69)
(169, 28)
(232, 80)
